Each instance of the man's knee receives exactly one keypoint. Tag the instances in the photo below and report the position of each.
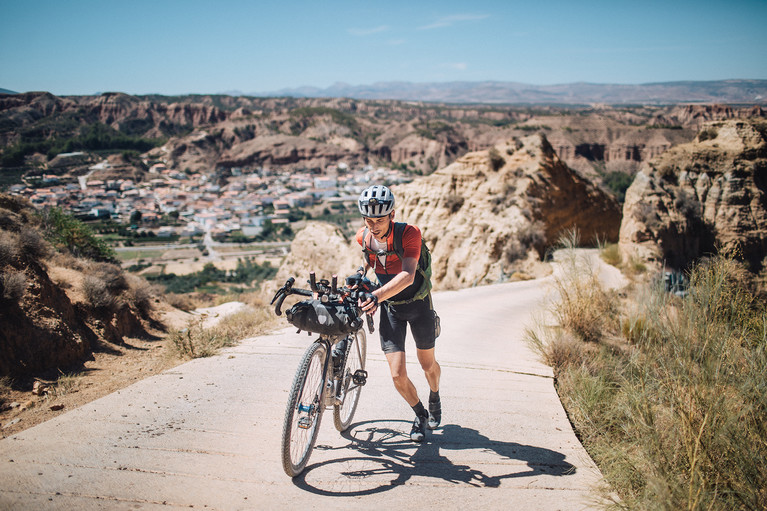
(399, 379)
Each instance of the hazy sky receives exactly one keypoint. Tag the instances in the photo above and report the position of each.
(195, 46)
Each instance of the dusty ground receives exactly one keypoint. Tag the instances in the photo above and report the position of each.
(111, 370)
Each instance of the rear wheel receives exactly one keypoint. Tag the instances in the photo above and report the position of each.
(344, 413)
(304, 411)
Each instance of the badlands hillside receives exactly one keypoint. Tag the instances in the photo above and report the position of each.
(61, 297)
(488, 217)
(218, 133)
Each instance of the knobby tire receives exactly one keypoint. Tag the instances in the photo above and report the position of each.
(307, 391)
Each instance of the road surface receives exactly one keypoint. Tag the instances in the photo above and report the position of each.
(206, 434)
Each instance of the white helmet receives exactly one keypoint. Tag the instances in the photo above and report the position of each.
(376, 201)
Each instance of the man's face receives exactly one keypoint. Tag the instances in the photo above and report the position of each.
(379, 227)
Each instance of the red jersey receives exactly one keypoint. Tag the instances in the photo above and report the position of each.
(391, 266)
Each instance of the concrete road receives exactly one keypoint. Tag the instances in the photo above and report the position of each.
(206, 434)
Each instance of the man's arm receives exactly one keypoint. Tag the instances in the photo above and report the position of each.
(400, 281)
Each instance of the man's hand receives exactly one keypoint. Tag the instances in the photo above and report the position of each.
(369, 303)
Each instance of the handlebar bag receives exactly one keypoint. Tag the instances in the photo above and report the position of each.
(330, 318)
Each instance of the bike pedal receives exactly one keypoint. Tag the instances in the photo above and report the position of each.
(304, 423)
(360, 377)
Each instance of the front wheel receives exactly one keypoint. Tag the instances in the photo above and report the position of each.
(344, 413)
(304, 411)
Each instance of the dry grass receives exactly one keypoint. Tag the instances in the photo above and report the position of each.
(611, 254)
(671, 403)
(98, 294)
(181, 301)
(196, 341)
(583, 307)
(9, 246)
(66, 383)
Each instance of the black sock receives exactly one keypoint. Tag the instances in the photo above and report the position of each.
(433, 396)
(419, 409)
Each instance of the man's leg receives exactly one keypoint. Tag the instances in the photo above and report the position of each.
(430, 367)
(400, 378)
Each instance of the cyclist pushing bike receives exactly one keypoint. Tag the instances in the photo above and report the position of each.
(396, 253)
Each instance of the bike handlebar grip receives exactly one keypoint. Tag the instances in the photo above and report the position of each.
(371, 326)
(279, 304)
(313, 281)
(334, 285)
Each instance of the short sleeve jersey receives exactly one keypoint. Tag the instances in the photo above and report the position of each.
(411, 247)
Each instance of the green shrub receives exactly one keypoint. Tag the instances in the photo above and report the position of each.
(618, 183)
(65, 231)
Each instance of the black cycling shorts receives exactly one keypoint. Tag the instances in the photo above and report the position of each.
(392, 327)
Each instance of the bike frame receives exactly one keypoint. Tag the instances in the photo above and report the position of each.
(316, 387)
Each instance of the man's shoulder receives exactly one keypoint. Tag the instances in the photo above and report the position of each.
(410, 232)
(360, 234)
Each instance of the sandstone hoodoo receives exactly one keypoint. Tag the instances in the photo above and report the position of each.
(493, 213)
(698, 196)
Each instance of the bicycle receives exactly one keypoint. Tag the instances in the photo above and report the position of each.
(322, 381)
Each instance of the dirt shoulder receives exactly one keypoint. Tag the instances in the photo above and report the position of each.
(114, 366)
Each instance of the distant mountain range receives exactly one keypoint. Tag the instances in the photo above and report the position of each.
(721, 91)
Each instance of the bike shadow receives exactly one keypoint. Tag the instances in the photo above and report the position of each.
(385, 458)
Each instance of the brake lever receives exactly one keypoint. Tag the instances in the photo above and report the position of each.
(281, 294)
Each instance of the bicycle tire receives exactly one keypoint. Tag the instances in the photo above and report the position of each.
(344, 413)
(300, 428)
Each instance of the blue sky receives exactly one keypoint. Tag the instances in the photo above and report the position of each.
(195, 46)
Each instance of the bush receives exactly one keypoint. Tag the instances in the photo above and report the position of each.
(69, 233)
(707, 134)
(33, 244)
(14, 285)
(112, 275)
(141, 294)
(496, 159)
(611, 254)
(453, 202)
(618, 183)
(9, 246)
(97, 293)
(180, 301)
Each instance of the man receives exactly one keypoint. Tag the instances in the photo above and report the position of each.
(400, 283)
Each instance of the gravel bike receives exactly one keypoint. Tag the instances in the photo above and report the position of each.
(332, 372)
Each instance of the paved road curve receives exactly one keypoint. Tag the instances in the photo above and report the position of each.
(206, 434)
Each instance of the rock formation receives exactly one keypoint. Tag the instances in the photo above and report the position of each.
(495, 212)
(319, 247)
(56, 309)
(208, 132)
(709, 193)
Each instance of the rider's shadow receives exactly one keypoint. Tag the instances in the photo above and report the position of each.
(387, 458)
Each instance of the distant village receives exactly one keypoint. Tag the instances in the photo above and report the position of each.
(249, 199)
